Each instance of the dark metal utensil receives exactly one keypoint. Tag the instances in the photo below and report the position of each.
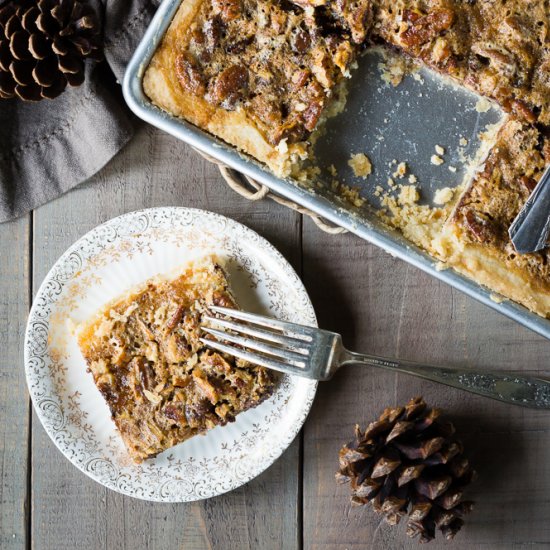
(529, 231)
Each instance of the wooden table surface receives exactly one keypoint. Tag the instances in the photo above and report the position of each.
(380, 304)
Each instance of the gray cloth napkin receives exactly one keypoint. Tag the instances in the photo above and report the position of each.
(47, 148)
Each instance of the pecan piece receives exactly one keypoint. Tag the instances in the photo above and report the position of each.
(144, 373)
(228, 9)
(312, 114)
(229, 87)
(410, 16)
(528, 183)
(268, 110)
(197, 38)
(300, 41)
(424, 28)
(299, 79)
(239, 46)
(497, 56)
(175, 319)
(197, 412)
(480, 226)
(522, 110)
(174, 411)
(216, 361)
(205, 386)
(181, 381)
(222, 300)
(189, 76)
(323, 68)
(141, 377)
(357, 16)
(213, 30)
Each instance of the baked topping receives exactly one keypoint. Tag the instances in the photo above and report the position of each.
(497, 194)
(499, 48)
(277, 60)
(261, 73)
(420, 28)
(161, 384)
(289, 53)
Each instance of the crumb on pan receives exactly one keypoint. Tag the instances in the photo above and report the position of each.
(401, 170)
(348, 194)
(395, 67)
(408, 195)
(443, 196)
(361, 165)
(483, 105)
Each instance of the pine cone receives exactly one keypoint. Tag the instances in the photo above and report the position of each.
(409, 462)
(43, 44)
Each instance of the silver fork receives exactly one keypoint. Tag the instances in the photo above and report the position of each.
(317, 354)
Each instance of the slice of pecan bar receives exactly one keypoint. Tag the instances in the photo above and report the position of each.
(161, 384)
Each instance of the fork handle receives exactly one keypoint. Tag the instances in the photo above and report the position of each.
(527, 391)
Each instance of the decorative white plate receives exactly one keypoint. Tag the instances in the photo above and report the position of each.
(103, 264)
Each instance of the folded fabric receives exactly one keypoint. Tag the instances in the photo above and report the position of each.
(46, 148)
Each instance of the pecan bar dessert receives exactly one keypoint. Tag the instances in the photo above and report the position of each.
(160, 382)
(257, 73)
(263, 74)
(498, 48)
(475, 240)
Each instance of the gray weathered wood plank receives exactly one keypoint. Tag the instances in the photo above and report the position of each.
(14, 401)
(70, 509)
(384, 306)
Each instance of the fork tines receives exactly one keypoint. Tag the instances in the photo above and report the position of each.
(264, 341)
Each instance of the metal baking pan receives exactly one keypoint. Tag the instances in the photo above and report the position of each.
(402, 123)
